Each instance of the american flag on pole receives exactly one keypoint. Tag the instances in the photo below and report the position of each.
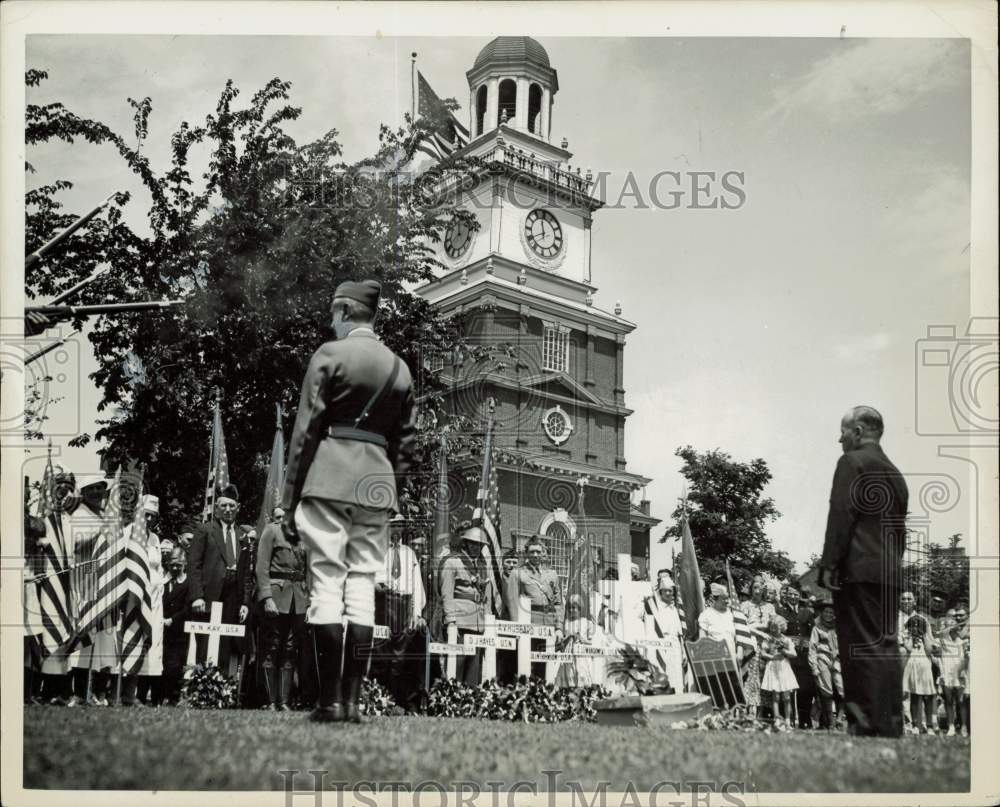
(744, 637)
(54, 603)
(487, 512)
(106, 588)
(218, 464)
(447, 133)
(137, 612)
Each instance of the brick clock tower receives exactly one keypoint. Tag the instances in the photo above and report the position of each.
(522, 284)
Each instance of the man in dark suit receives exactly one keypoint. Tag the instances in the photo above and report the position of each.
(862, 565)
(214, 571)
(353, 437)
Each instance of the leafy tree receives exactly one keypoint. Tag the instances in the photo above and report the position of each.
(255, 247)
(727, 513)
(942, 572)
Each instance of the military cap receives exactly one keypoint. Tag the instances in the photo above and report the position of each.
(718, 590)
(366, 292)
(474, 534)
(229, 492)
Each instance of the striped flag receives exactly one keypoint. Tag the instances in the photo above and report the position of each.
(54, 603)
(744, 637)
(137, 612)
(487, 512)
(580, 579)
(218, 464)
(107, 567)
(447, 133)
(649, 605)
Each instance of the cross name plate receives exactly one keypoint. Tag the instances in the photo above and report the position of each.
(509, 628)
(664, 644)
(496, 642)
(594, 651)
(539, 656)
(449, 649)
(381, 632)
(214, 628)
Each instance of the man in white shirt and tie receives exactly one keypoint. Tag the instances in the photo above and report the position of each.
(399, 604)
(213, 560)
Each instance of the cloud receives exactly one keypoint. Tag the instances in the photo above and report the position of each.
(874, 77)
(862, 347)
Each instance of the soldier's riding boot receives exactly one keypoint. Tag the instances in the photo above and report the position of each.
(329, 641)
(270, 685)
(285, 687)
(356, 652)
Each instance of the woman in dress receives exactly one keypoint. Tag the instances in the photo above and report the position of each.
(952, 661)
(779, 679)
(758, 613)
(918, 676)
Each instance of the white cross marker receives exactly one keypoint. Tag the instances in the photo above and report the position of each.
(215, 629)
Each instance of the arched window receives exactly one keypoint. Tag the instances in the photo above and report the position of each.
(534, 108)
(508, 101)
(480, 109)
(558, 531)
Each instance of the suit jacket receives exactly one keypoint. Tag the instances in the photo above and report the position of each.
(865, 530)
(207, 562)
(275, 555)
(342, 376)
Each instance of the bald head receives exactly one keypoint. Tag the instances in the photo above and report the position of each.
(859, 426)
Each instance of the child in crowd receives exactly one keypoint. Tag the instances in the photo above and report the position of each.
(918, 676)
(779, 679)
(824, 663)
(952, 662)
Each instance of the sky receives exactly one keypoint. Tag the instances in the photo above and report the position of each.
(758, 326)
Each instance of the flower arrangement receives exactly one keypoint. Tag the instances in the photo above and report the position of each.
(208, 688)
(375, 699)
(632, 670)
(527, 700)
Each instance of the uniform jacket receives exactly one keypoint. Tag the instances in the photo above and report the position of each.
(207, 562)
(542, 588)
(865, 535)
(465, 596)
(276, 556)
(342, 377)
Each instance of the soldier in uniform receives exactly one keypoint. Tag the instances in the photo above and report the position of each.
(467, 596)
(352, 442)
(541, 586)
(281, 589)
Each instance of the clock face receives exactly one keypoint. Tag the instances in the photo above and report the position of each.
(457, 238)
(543, 233)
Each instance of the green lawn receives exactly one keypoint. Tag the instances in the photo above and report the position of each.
(176, 749)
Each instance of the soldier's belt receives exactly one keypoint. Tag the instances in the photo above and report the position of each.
(295, 577)
(348, 432)
(545, 609)
(471, 596)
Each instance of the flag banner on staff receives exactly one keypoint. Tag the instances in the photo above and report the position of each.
(447, 133)
(275, 481)
(487, 513)
(649, 606)
(580, 580)
(218, 464)
(137, 612)
(690, 583)
(53, 579)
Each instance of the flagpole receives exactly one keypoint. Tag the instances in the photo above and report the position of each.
(413, 86)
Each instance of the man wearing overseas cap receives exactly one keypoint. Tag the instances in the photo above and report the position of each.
(351, 444)
(214, 571)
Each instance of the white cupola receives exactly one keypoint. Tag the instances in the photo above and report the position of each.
(512, 83)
